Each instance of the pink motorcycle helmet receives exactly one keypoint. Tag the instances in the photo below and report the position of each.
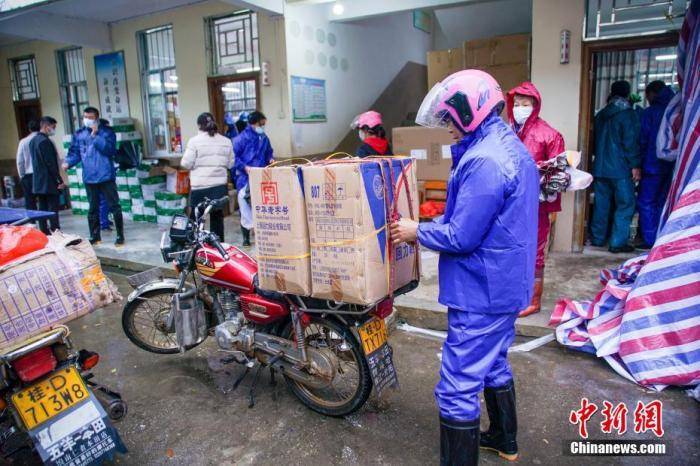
(369, 119)
(467, 97)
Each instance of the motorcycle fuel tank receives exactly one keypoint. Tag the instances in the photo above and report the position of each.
(237, 273)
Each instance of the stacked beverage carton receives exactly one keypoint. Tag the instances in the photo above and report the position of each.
(167, 205)
(321, 228)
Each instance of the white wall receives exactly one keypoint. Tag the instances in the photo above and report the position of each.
(369, 54)
(481, 20)
(559, 85)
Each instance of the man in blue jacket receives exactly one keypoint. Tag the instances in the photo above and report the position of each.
(251, 148)
(616, 167)
(487, 243)
(95, 145)
(656, 173)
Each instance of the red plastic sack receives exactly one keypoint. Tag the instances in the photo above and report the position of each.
(18, 241)
(432, 208)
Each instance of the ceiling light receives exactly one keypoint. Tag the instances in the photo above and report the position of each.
(660, 75)
(172, 77)
(672, 56)
(338, 9)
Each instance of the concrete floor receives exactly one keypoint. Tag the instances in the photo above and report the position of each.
(182, 412)
(566, 275)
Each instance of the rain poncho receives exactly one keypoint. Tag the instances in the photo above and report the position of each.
(487, 237)
(616, 140)
(250, 149)
(542, 141)
(96, 153)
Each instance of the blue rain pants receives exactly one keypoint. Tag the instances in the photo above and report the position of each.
(474, 356)
(617, 194)
(653, 190)
(104, 213)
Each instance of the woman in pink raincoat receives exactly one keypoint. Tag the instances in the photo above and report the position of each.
(543, 142)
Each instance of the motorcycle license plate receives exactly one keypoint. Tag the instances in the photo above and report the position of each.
(50, 397)
(373, 335)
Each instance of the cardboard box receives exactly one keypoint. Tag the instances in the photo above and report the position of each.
(347, 213)
(496, 51)
(281, 232)
(509, 76)
(49, 287)
(442, 63)
(429, 146)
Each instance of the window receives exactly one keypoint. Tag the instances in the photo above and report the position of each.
(73, 86)
(25, 85)
(627, 18)
(239, 96)
(233, 43)
(639, 67)
(160, 90)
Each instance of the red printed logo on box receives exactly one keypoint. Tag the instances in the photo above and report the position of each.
(268, 189)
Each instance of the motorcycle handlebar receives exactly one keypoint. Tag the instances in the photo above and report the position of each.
(201, 208)
(214, 241)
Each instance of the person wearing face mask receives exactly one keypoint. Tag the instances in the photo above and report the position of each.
(47, 182)
(487, 245)
(371, 133)
(251, 148)
(95, 145)
(523, 105)
(24, 165)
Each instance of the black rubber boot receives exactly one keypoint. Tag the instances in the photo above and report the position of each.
(503, 422)
(246, 236)
(119, 226)
(459, 442)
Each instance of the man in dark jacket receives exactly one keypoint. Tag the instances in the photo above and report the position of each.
(95, 145)
(616, 167)
(47, 181)
(656, 173)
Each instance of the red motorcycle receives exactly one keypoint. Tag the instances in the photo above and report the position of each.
(330, 353)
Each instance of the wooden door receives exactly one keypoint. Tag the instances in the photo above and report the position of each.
(26, 111)
(233, 94)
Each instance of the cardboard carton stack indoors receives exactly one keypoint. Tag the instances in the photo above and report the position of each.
(330, 241)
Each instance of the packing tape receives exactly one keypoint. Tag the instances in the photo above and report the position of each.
(295, 257)
(349, 241)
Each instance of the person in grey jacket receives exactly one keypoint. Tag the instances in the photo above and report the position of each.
(24, 165)
(209, 157)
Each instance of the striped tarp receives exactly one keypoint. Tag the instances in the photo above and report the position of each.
(646, 320)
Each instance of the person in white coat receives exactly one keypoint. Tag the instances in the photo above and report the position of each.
(209, 157)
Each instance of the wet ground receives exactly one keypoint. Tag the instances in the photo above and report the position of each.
(183, 413)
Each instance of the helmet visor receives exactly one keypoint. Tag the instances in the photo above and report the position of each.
(356, 122)
(432, 113)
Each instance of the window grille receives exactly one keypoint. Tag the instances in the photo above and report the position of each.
(25, 85)
(160, 90)
(73, 86)
(233, 43)
(623, 18)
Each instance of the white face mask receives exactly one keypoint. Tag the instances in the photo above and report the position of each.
(362, 135)
(521, 114)
(260, 129)
(51, 132)
(89, 123)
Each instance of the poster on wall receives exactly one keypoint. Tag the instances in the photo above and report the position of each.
(308, 99)
(111, 85)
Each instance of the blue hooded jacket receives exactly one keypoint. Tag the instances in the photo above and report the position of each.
(250, 149)
(96, 153)
(616, 140)
(650, 123)
(487, 238)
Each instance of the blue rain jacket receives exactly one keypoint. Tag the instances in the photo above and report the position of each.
(96, 153)
(487, 238)
(616, 140)
(250, 149)
(650, 123)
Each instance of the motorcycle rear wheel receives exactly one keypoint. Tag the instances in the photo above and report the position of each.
(352, 367)
(142, 322)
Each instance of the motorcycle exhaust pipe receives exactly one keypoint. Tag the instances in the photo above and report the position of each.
(115, 407)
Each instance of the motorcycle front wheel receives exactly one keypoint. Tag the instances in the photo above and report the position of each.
(144, 322)
(352, 383)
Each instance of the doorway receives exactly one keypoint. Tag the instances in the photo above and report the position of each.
(233, 94)
(637, 60)
(26, 111)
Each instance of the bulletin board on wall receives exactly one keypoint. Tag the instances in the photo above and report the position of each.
(308, 100)
(111, 85)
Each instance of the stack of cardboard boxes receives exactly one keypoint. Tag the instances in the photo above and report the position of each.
(321, 229)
